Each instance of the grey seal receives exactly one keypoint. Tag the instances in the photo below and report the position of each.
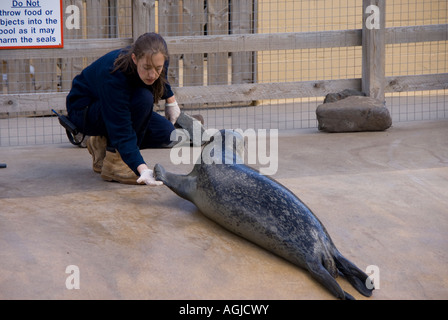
(261, 210)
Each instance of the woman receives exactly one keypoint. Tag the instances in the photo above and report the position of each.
(112, 102)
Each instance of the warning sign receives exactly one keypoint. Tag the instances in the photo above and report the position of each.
(30, 24)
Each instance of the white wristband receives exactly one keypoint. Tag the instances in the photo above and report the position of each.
(172, 104)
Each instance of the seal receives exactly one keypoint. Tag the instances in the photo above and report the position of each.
(261, 210)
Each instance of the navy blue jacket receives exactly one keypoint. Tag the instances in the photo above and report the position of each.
(113, 91)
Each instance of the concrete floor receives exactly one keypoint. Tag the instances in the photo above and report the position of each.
(383, 197)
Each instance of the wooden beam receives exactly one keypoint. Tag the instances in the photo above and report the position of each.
(263, 42)
(193, 24)
(262, 91)
(373, 48)
(243, 63)
(38, 102)
(300, 40)
(435, 32)
(236, 42)
(217, 24)
(143, 17)
(32, 102)
(417, 83)
(90, 48)
(168, 15)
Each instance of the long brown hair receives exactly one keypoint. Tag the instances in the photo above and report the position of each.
(148, 43)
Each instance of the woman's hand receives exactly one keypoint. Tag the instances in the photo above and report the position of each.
(147, 176)
(172, 110)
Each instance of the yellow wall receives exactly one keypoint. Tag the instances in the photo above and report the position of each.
(337, 63)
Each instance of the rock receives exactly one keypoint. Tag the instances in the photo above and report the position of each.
(354, 113)
(333, 97)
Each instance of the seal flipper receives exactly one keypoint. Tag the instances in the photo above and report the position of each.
(321, 274)
(182, 185)
(353, 274)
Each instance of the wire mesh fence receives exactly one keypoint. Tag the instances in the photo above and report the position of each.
(113, 19)
(418, 58)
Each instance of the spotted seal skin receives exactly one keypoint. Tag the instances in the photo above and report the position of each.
(265, 212)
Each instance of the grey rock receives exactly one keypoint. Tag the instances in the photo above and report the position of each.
(354, 113)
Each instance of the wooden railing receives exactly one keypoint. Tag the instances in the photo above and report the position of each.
(217, 47)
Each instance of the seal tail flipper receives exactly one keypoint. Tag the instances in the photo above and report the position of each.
(321, 274)
(353, 274)
(180, 184)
